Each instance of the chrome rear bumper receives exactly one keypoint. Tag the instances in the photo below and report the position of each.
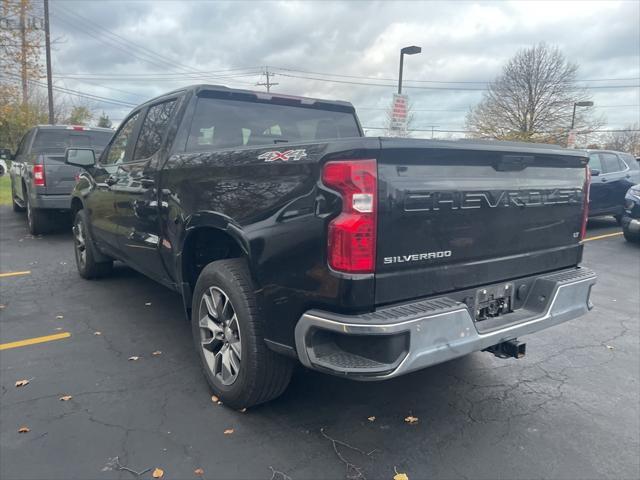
(399, 339)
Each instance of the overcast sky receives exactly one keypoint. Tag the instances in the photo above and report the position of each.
(465, 43)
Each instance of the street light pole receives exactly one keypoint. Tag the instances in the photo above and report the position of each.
(578, 104)
(412, 50)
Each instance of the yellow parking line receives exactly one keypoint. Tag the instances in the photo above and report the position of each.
(599, 237)
(15, 274)
(33, 341)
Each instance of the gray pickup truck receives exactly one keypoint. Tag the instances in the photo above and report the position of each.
(41, 181)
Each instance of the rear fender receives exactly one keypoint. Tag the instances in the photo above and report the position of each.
(197, 223)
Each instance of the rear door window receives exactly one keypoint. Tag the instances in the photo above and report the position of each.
(154, 129)
(221, 123)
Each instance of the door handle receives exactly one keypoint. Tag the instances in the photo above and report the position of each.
(603, 180)
(111, 180)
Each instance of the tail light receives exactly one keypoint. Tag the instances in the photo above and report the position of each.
(352, 234)
(585, 202)
(38, 176)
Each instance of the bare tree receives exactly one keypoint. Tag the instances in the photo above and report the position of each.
(626, 140)
(532, 100)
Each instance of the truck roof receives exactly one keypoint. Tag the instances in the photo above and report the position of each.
(198, 88)
(71, 127)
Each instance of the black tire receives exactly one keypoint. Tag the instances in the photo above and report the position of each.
(39, 221)
(85, 251)
(630, 237)
(262, 374)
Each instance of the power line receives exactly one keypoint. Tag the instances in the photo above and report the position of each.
(483, 82)
(469, 131)
(387, 85)
(77, 93)
(121, 40)
(465, 110)
(237, 70)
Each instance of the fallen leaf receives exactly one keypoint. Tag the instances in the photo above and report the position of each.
(59, 317)
(156, 353)
(371, 419)
(214, 399)
(24, 430)
(158, 473)
(610, 347)
(65, 398)
(148, 304)
(228, 431)
(97, 333)
(400, 476)
(411, 419)
(22, 383)
(133, 358)
(2, 307)
(242, 410)
(198, 472)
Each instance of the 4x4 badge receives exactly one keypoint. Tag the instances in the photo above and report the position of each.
(274, 155)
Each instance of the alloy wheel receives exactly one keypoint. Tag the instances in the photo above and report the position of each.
(220, 337)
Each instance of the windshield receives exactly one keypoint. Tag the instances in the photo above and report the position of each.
(57, 141)
(219, 123)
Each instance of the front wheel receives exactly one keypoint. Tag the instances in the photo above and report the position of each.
(84, 250)
(228, 333)
(630, 237)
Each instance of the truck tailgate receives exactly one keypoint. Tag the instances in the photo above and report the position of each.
(60, 177)
(455, 215)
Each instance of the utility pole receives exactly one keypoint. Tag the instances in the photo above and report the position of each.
(23, 51)
(268, 83)
(47, 43)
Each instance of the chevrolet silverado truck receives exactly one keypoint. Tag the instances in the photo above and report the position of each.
(41, 182)
(291, 236)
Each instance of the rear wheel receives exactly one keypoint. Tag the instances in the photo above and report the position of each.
(228, 333)
(38, 220)
(85, 251)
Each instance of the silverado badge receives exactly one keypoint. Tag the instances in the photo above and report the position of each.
(274, 155)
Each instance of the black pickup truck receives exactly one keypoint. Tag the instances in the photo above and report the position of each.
(292, 236)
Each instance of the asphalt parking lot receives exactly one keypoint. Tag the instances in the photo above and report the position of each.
(569, 409)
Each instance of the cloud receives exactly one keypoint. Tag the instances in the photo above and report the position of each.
(461, 41)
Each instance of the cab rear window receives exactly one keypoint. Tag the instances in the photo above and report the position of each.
(222, 123)
(57, 141)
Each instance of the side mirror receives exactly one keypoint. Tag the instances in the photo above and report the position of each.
(594, 172)
(80, 157)
(6, 154)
